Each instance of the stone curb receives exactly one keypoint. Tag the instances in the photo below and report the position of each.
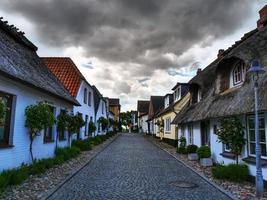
(52, 191)
(196, 172)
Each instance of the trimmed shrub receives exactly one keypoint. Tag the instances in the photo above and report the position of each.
(192, 148)
(83, 145)
(232, 172)
(204, 152)
(182, 150)
(67, 152)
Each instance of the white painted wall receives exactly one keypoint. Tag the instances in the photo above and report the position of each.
(99, 114)
(25, 96)
(143, 124)
(85, 109)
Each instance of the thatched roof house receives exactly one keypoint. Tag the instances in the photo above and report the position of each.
(218, 99)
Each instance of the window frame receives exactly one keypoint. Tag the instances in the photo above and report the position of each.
(261, 115)
(241, 73)
(177, 94)
(85, 95)
(89, 98)
(7, 133)
(168, 125)
(50, 137)
(190, 134)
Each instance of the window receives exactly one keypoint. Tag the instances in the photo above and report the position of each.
(226, 147)
(199, 95)
(86, 125)
(89, 99)
(168, 124)
(177, 94)
(61, 134)
(251, 135)
(182, 131)
(102, 107)
(238, 73)
(85, 96)
(5, 120)
(48, 132)
(190, 134)
(167, 102)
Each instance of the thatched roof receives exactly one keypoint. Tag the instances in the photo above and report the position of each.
(20, 62)
(234, 101)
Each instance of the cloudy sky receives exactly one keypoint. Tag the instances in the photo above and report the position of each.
(132, 49)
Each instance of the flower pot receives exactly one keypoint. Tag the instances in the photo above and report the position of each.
(206, 162)
(192, 156)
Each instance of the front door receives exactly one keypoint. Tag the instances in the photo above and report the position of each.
(205, 133)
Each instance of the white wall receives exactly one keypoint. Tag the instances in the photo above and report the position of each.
(143, 123)
(85, 109)
(99, 114)
(25, 96)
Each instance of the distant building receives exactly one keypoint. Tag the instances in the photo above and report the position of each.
(77, 85)
(115, 108)
(142, 114)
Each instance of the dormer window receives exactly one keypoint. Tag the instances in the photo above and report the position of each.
(177, 94)
(167, 102)
(199, 95)
(238, 74)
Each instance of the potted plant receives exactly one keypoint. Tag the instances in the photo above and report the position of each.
(204, 155)
(182, 145)
(192, 152)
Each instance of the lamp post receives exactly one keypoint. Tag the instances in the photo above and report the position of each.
(256, 69)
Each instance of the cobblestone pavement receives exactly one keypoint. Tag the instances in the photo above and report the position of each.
(133, 168)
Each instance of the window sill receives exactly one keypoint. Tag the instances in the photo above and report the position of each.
(228, 155)
(167, 132)
(252, 160)
(62, 140)
(48, 141)
(6, 146)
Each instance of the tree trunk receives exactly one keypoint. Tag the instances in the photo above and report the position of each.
(31, 141)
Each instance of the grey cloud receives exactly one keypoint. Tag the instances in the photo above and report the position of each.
(123, 30)
(122, 87)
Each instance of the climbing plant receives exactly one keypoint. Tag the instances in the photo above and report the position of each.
(38, 117)
(231, 133)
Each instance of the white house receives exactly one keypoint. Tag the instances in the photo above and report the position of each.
(142, 113)
(224, 89)
(24, 81)
(100, 104)
(77, 85)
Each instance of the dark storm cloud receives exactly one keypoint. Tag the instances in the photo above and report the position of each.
(133, 31)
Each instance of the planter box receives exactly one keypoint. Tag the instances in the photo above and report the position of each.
(192, 156)
(206, 162)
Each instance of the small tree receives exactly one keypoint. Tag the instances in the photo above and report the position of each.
(62, 122)
(231, 133)
(92, 127)
(38, 117)
(74, 123)
(104, 123)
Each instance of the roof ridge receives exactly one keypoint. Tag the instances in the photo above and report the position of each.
(19, 36)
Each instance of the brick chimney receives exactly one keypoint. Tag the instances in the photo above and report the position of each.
(263, 17)
(220, 53)
(198, 71)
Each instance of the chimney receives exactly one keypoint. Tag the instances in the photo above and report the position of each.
(198, 71)
(220, 53)
(263, 17)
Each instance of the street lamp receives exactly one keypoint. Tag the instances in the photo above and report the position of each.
(256, 69)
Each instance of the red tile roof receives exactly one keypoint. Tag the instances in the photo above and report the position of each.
(66, 71)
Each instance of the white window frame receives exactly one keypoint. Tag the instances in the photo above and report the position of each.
(177, 94)
(238, 73)
(168, 125)
(248, 134)
(167, 101)
(190, 134)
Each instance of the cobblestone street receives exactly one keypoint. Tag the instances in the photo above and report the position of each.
(133, 168)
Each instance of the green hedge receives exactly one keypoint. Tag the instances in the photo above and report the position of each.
(83, 145)
(232, 172)
(192, 148)
(17, 176)
(204, 152)
(182, 150)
